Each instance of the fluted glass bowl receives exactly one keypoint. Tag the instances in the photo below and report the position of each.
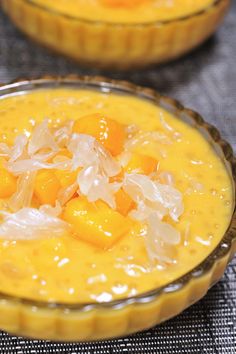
(115, 45)
(96, 321)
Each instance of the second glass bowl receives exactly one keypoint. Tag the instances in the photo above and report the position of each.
(114, 45)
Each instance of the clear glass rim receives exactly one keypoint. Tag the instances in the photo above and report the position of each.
(124, 24)
(222, 148)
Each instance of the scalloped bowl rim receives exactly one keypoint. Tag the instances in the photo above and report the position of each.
(124, 24)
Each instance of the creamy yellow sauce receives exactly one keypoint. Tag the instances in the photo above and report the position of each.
(69, 270)
(142, 11)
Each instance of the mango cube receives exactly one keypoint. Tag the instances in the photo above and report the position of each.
(46, 187)
(141, 164)
(66, 178)
(95, 223)
(108, 132)
(124, 203)
(8, 183)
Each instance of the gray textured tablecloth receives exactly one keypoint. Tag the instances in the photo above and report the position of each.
(205, 81)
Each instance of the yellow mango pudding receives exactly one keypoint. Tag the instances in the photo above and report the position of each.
(118, 33)
(116, 208)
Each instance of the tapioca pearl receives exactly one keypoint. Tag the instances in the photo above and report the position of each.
(12, 271)
(200, 212)
(3, 137)
(227, 203)
(58, 121)
(43, 292)
(15, 130)
(213, 191)
(179, 181)
(98, 251)
(92, 288)
(62, 262)
(189, 155)
(67, 280)
(210, 236)
(211, 212)
(6, 129)
(62, 284)
(88, 105)
(125, 248)
(130, 257)
(53, 119)
(219, 177)
(207, 224)
(42, 281)
(133, 292)
(95, 279)
(102, 297)
(11, 108)
(8, 243)
(56, 258)
(132, 285)
(30, 102)
(228, 215)
(36, 252)
(27, 133)
(119, 288)
(32, 122)
(91, 265)
(71, 291)
(192, 250)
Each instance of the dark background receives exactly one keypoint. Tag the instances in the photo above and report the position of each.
(205, 81)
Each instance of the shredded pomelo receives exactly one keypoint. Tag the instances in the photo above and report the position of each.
(41, 138)
(22, 198)
(29, 223)
(51, 211)
(95, 174)
(66, 193)
(141, 188)
(13, 153)
(168, 128)
(145, 138)
(155, 201)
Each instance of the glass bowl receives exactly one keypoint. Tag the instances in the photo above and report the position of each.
(97, 321)
(114, 45)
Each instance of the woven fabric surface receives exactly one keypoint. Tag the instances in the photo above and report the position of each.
(205, 81)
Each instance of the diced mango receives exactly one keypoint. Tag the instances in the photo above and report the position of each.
(117, 178)
(123, 202)
(141, 164)
(46, 187)
(65, 152)
(108, 132)
(66, 178)
(95, 223)
(8, 183)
